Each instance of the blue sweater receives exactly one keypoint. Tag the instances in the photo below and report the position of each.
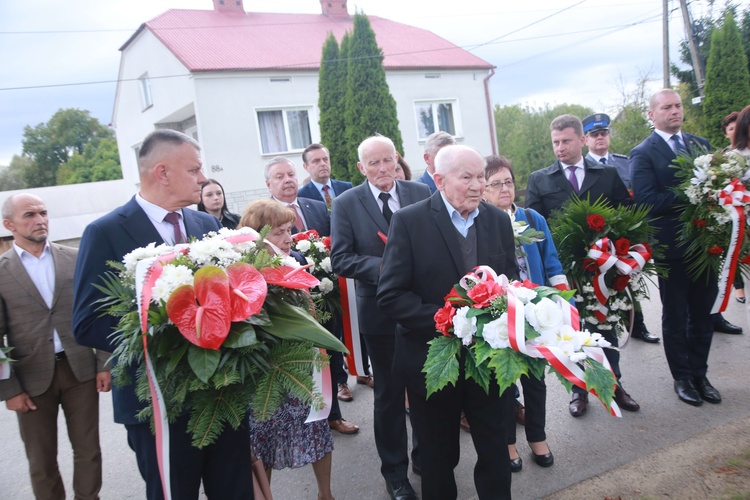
(545, 265)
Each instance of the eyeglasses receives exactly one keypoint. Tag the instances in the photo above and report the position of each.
(497, 184)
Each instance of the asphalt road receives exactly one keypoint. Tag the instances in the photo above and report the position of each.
(583, 448)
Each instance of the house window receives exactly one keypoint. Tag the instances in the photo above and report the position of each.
(284, 130)
(145, 85)
(434, 116)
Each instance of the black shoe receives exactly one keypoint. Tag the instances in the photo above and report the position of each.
(516, 464)
(723, 326)
(643, 334)
(401, 490)
(687, 392)
(578, 404)
(707, 391)
(544, 460)
(624, 400)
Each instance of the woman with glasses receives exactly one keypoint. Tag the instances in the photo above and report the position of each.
(537, 262)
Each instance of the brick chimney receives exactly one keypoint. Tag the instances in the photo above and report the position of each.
(233, 6)
(333, 8)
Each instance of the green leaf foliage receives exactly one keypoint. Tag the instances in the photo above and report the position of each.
(473, 371)
(203, 361)
(291, 322)
(441, 368)
(508, 366)
(600, 380)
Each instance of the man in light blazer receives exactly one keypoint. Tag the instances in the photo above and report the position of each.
(171, 176)
(358, 216)
(317, 162)
(686, 304)
(281, 181)
(434, 143)
(50, 369)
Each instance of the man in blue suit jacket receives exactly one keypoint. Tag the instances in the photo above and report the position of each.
(317, 162)
(686, 317)
(434, 143)
(281, 181)
(171, 175)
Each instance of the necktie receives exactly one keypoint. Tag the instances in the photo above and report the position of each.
(327, 196)
(299, 225)
(384, 197)
(603, 160)
(572, 178)
(679, 147)
(174, 219)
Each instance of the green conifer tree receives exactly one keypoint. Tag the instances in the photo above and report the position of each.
(369, 107)
(331, 94)
(727, 79)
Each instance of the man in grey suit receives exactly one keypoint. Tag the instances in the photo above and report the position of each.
(50, 370)
(358, 216)
(281, 181)
(434, 143)
(596, 128)
(317, 162)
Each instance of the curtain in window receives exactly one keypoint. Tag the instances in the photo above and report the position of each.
(299, 129)
(425, 122)
(445, 118)
(272, 137)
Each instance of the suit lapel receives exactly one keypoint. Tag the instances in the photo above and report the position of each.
(18, 272)
(447, 230)
(138, 226)
(57, 258)
(482, 225)
(593, 173)
(557, 176)
(661, 147)
(371, 206)
(192, 227)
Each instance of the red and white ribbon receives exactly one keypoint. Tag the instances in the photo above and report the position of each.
(350, 319)
(322, 384)
(733, 198)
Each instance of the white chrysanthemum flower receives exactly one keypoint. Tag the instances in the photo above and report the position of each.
(326, 285)
(587, 289)
(605, 326)
(213, 251)
(496, 332)
(325, 265)
(592, 320)
(320, 247)
(578, 298)
(463, 327)
(694, 194)
(289, 261)
(171, 278)
(545, 315)
(303, 246)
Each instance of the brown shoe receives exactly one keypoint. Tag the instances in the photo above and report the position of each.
(520, 413)
(343, 426)
(578, 404)
(344, 393)
(367, 380)
(624, 400)
(463, 423)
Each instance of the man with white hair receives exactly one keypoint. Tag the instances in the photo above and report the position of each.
(431, 246)
(434, 143)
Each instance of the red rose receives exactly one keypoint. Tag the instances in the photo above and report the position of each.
(444, 319)
(596, 222)
(622, 246)
(745, 259)
(590, 265)
(304, 235)
(620, 282)
(482, 293)
(699, 223)
(716, 250)
(327, 243)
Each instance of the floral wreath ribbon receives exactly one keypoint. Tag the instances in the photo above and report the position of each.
(603, 252)
(733, 198)
(553, 354)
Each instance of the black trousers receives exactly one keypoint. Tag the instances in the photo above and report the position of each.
(686, 320)
(224, 467)
(535, 402)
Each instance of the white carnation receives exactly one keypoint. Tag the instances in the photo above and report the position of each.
(303, 246)
(325, 265)
(320, 247)
(326, 285)
(311, 263)
(289, 261)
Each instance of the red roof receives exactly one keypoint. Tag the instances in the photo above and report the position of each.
(205, 40)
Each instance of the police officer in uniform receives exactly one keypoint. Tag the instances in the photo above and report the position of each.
(596, 129)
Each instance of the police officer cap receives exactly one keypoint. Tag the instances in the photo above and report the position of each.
(598, 121)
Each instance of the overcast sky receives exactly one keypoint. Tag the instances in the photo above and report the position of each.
(53, 52)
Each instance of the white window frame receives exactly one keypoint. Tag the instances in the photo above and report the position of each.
(144, 84)
(287, 135)
(434, 103)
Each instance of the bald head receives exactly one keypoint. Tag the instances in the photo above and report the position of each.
(459, 176)
(25, 215)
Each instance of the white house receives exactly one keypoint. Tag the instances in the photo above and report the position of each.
(246, 86)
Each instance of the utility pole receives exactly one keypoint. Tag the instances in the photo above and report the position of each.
(665, 44)
(694, 55)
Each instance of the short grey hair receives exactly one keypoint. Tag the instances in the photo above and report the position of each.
(438, 140)
(443, 163)
(275, 161)
(375, 138)
(567, 121)
(9, 203)
(152, 148)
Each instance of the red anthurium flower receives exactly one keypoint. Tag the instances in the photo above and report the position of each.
(247, 289)
(202, 312)
(482, 293)
(289, 277)
(444, 319)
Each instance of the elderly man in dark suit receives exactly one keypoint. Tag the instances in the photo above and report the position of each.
(434, 143)
(171, 175)
(686, 316)
(358, 216)
(570, 176)
(317, 162)
(431, 245)
(50, 370)
(281, 181)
